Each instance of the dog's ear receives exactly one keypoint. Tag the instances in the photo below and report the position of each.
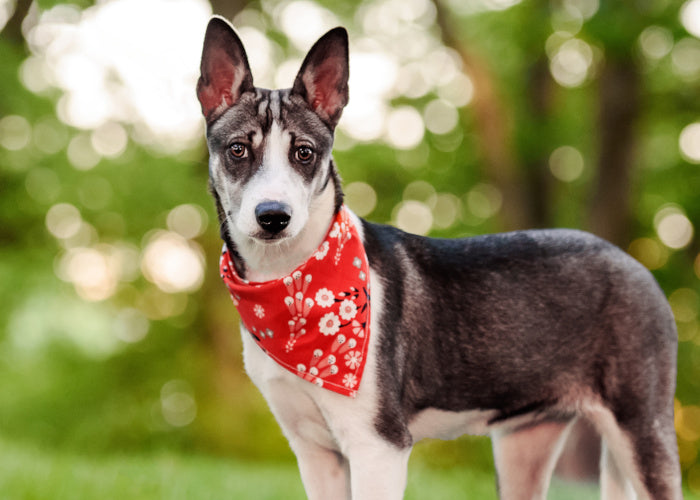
(323, 78)
(224, 70)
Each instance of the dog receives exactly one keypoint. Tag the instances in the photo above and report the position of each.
(514, 335)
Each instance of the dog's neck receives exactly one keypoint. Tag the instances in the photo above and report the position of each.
(259, 262)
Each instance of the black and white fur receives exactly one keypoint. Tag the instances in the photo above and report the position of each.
(514, 335)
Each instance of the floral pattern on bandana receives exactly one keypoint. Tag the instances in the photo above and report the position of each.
(314, 322)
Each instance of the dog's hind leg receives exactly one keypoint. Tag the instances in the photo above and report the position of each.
(639, 460)
(614, 484)
(525, 458)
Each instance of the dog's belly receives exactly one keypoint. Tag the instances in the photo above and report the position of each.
(441, 424)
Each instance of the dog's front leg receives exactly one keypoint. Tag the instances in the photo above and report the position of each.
(378, 471)
(324, 472)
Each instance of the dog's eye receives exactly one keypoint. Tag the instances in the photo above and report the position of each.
(304, 153)
(238, 150)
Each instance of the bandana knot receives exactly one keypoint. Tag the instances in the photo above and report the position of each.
(315, 321)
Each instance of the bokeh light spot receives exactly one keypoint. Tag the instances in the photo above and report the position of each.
(566, 163)
(130, 325)
(587, 8)
(304, 22)
(673, 227)
(421, 191)
(187, 220)
(690, 17)
(360, 197)
(571, 64)
(652, 254)
(177, 403)
(447, 209)
(81, 153)
(109, 139)
(15, 132)
(49, 136)
(413, 217)
(484, 201)
(459, 91)
(687, 422)
(656, 42)
(440, 116)
(686, 59)
(684, 303)
(63, 220)
(405, 128)
(94, 275)
(173, 263)
(689, 142)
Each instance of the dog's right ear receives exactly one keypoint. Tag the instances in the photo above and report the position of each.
(224, 70)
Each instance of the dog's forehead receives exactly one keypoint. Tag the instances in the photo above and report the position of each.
(253, 116)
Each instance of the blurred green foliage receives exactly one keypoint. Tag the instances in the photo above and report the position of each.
(71, 378)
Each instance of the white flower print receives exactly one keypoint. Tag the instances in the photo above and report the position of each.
(349, 380)
(322, 251)
(329, 324)
(324, 297)
(259, 311)
(353, 359)
(335, 230)
(358, 329)
(348, 309)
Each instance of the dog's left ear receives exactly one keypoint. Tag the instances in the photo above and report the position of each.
(323, 78)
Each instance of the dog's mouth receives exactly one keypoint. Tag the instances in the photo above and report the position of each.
(268, 238)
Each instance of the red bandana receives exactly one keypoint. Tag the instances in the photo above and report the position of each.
(314, 322)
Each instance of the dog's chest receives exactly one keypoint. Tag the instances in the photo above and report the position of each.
(313, 413)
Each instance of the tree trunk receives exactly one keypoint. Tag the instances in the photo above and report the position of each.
(494, 129)
(540, 91)
(13, 29)
(618, 112)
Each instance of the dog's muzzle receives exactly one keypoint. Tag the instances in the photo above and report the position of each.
(273, 216)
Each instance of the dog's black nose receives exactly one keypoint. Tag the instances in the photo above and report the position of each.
(273, 216)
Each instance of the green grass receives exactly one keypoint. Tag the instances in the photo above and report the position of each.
(33, 474)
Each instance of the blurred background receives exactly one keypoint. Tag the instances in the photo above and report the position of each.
(465, 117)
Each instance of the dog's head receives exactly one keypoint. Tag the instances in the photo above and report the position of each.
(270, 150)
